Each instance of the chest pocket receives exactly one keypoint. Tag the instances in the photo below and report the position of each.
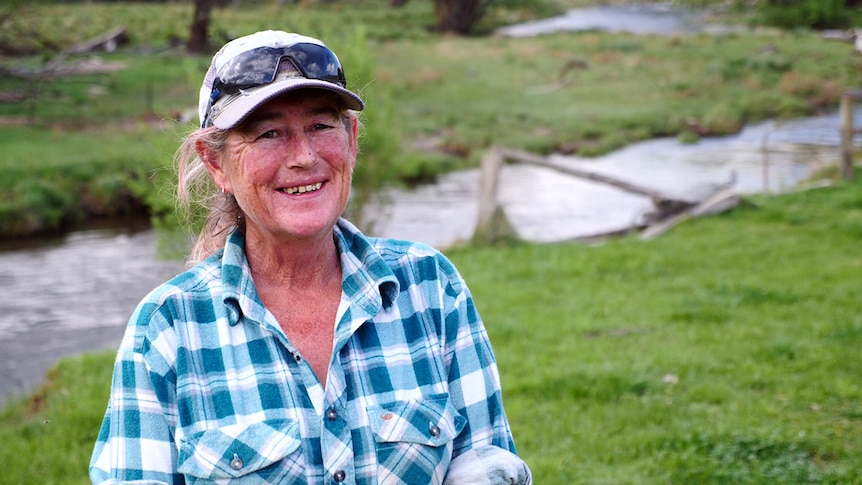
(242, 451)
(414, 439)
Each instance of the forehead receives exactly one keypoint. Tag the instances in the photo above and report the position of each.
(303, 102)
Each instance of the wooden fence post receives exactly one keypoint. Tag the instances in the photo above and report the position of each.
(492, 161)
(847, 131)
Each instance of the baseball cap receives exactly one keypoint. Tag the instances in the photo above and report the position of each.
(251, 70)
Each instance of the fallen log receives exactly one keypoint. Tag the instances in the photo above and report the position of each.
(107, 42)
(670, 211)
(663, 202)
(721, 201)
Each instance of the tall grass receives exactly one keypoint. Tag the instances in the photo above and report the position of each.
(723, 352)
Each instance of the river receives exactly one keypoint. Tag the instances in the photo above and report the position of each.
(71, 294)
(544, 206)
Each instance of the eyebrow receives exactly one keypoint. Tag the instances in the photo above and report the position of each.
(263, 115)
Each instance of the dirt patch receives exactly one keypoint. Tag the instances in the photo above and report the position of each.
(14, 120)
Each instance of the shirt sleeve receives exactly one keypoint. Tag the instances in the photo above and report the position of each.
(135, 443)
(485, 447)
(474, 381)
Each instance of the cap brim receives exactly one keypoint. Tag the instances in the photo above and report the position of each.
(235, 108)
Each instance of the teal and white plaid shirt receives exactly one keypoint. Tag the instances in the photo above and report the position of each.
(208, 389)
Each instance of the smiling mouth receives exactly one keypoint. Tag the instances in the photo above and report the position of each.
(302, 189)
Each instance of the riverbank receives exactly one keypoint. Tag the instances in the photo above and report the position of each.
(723, 352)
(103, 141)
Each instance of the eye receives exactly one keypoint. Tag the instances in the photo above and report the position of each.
(321, 126)
(268, 134)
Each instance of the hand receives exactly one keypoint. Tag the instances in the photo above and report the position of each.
(488, 465)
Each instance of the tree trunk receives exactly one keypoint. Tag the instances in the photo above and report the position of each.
(459, 16)
(199, 42)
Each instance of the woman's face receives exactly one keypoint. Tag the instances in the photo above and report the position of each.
(290, 166)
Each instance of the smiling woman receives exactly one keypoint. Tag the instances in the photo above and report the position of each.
(295, 349)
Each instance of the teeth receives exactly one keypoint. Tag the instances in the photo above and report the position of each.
(303, 188)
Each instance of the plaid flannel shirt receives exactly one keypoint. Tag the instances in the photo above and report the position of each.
(208, 389)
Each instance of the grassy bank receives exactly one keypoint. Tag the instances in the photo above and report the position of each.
(435, 102)
(725, 351)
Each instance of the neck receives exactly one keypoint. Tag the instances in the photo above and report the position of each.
(298, 264)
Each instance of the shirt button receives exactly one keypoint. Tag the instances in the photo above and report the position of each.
(236, 463)
(332, 414)
(297, 357)
(339, 476)
(434, 430)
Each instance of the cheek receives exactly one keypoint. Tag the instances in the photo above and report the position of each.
(251, 165)
(339, 155)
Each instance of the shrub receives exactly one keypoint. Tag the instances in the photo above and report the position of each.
(815, 14)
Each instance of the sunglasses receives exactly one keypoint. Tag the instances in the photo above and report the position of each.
(260, 66)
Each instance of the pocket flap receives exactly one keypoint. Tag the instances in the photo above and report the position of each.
(431, 422)
(236, 450)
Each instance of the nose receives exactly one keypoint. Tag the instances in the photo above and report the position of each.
(301, 153)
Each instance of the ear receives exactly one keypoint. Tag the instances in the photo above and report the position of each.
(214, 166)
(353, 133)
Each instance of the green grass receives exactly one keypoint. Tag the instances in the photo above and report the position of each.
(724, 351)
(436, 103)
(54, 178)
(48, 438)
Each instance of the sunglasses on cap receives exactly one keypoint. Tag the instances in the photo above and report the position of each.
(260, 66)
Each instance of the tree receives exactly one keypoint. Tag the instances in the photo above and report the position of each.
(199, 41)
(455, 16)
(459, 16)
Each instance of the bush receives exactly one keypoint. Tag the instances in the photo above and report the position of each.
(815, 14)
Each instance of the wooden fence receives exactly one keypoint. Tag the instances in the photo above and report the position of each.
(492, 224)
(848, 130)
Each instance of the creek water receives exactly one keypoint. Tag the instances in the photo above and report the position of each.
(545, 206)
(71, 294)
(67, 295)
(659, 18)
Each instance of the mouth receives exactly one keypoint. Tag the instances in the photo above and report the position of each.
(302, 189)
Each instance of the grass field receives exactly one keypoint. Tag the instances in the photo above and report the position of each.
(725, 351)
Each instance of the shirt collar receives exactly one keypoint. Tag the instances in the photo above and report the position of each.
(367, 279)
(363, 267)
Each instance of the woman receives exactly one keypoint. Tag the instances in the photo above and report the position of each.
(296, 349)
